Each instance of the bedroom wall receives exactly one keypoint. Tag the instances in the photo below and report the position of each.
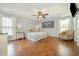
(55, 30)
(26, 24)
(52, 31)
(76, 28)
(78, 32)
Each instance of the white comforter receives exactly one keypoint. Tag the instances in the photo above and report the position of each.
(35, 36)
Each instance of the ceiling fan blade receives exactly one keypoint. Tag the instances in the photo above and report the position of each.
(45, 14)
(35, 15)
(43, 17)
(41, 13)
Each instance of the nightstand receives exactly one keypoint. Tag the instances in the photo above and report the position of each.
(20, 35)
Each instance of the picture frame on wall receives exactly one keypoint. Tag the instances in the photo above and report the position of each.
(48, 24)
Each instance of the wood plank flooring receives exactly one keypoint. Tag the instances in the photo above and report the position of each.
(50, 46)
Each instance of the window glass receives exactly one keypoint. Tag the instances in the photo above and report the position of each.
(7, 25)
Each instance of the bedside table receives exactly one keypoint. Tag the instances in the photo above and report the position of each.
(20, 35)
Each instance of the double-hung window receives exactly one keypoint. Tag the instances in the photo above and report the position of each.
(65, 24)
(7, 25)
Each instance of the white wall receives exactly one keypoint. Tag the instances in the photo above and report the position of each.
(55, 31)
(52, 31)
(26, 24)
(78, 32)
(77, 28)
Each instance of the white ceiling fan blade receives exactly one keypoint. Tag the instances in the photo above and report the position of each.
(44, 11)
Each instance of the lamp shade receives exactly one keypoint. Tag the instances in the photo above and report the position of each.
(18, 26)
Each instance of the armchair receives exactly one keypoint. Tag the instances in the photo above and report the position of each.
(66, 35)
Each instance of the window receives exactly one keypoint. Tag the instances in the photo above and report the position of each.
(64, 24)
(7, 25)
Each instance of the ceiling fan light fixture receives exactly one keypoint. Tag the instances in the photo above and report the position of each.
(41, 13)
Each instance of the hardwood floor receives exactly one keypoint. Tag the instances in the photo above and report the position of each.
(50, 46)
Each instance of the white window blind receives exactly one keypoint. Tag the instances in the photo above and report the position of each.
(7, 25)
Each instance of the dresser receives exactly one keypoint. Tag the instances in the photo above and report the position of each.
(3, 44)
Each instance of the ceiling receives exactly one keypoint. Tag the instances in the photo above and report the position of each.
(26, 9)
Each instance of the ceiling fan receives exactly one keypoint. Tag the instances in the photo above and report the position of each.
(41, 13)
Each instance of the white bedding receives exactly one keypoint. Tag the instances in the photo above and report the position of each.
(35, 36)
